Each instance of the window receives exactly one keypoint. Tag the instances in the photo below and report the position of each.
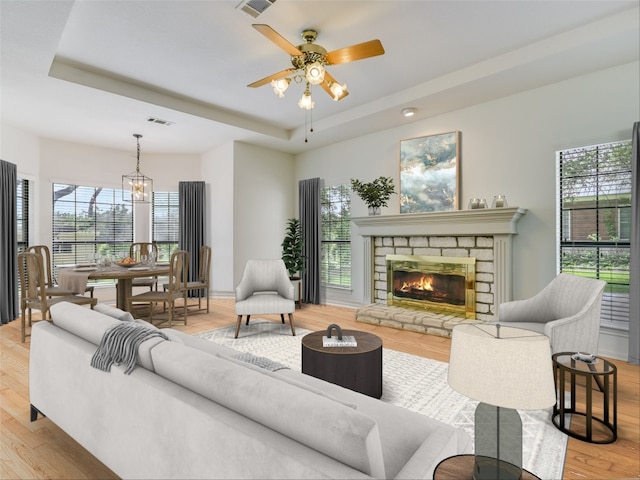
(87, 221)
(165, 223)
(23, 214)
(595, 212)
(336, 237)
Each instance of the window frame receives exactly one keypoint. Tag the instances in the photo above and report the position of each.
(340, 242)
(86, 214)
(588, 192)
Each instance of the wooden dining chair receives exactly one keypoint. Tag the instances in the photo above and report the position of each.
(202, 283)
(176, 289)
(33, 293)
(51, 286)
(136, 250)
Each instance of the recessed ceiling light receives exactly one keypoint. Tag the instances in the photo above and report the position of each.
(409, 112)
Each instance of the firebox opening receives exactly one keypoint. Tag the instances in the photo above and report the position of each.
(433, 287)
(436, 284)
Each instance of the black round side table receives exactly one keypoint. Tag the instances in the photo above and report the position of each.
(581, 374)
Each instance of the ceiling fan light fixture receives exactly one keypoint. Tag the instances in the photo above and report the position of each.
(408, 112)
(280, 86)
(338, 91)
(306, 102)
(314, 73)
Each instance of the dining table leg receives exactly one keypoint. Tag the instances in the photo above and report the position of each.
(124, 292)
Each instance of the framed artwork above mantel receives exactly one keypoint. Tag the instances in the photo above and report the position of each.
(429, 176)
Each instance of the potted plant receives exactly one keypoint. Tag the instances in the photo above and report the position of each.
(292, 248)
(375, 194)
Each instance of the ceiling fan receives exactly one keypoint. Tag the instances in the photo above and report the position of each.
(308, 64)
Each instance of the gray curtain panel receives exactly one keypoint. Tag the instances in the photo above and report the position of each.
(634, 278)
(9, 309)
(192, 196)
(309, 205)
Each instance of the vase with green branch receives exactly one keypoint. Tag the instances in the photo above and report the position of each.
(375, 194)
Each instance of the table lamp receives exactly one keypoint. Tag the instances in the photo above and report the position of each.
(504, 368)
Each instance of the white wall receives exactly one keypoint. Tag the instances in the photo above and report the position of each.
(23, 149)
(65, 162)
(217, 172)
(263, 200)
(508, 146)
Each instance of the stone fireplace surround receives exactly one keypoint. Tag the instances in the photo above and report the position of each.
(485, 234)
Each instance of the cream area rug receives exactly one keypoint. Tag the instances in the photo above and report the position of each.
(415, 383)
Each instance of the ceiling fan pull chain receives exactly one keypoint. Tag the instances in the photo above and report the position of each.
(308, 120)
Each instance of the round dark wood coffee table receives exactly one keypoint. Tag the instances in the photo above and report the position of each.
(356, 368)
(460, 467)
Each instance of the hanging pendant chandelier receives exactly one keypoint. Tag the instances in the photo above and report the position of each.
(137, 187)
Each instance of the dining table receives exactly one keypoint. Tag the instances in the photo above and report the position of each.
(75, 278)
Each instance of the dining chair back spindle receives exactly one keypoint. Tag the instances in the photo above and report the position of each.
(136, 251)
(176, 289)
(202, 283)
(51, 286)
(33, 294)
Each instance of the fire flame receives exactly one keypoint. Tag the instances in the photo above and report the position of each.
(423, 284)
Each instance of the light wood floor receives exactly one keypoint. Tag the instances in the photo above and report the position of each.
(42, 450)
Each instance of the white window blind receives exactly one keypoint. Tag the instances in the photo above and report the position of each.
(23, 214)
(88, 220)
(165, 223)
(595, 221)
(336, 237)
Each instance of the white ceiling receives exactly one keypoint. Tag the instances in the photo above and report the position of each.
(94, 71)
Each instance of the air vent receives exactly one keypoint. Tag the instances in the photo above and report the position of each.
(255, 7)
(159, 121)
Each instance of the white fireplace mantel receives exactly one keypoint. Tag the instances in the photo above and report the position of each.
(483, 221)
(500, 223)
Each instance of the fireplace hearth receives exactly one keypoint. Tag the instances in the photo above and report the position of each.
(435, 284)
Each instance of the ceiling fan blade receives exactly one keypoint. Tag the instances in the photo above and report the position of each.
(368, 49)
(278, 39)
(326, 86)
(268, 79)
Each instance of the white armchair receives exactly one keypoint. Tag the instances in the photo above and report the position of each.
(567, 311)
(265, 289)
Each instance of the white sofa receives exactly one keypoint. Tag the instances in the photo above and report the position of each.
(192, 410)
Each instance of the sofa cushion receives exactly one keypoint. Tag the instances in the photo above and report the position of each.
(313, 420)
(91, 325)
(113, 312)
(80, 321)
(289, 380)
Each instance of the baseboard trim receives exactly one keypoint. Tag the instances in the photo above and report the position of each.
(614, 343)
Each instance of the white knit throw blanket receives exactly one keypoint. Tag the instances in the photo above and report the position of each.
(119, 345)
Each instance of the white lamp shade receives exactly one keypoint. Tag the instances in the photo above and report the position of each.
(512, 371)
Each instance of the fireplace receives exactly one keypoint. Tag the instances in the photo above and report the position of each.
(436, 284)
(485, 235)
